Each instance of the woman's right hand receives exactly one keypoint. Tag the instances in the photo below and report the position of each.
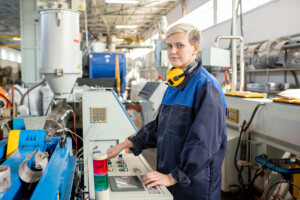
(115, 151)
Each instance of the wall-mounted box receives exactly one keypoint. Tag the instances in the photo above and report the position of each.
(215, 57)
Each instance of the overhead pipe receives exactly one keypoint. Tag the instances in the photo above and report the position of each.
(234, 67)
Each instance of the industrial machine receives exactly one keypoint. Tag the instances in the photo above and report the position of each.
(109, 65)
(38, 165)
(38, 156)
(105, 124)
(272, 131)
(153, 92)
(125, 182)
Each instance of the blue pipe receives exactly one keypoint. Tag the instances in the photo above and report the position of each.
(260, 159)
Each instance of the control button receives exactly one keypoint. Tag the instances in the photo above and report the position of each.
(122, 165)
(125, 169)
(120, 161)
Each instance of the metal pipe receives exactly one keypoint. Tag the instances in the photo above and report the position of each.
(233, 48)
(242, 64)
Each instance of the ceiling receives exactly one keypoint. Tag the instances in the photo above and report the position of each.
(101, 18)
(9, 21)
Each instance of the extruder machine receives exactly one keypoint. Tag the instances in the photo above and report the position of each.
(40, 167)
(37, 160)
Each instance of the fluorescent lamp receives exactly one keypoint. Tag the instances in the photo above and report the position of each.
(16, 38)
(122, 1)
(128, 26)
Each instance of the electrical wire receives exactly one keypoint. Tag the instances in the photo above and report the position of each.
(74, 120)
(80, 155)
(49, 105)
(291, 183)
(86, 198)
(32, 88)
(244, 128)
(74, 141)
(81, 149)
(67, 129)
(278, 189)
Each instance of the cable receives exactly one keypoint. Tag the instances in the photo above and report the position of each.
(32, 88)
(75, 142)
(292, 183)
(67, 129)
(278, 189)
(244, 128)
(49, 105)
(80, 155)
(74, 120)
(86, 198)
(81, 149)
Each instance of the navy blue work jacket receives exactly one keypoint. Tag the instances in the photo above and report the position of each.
(190, 135)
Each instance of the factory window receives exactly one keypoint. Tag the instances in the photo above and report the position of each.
(19, 58)
(4, 54)
(12, 56)
(202, 17)
(224, 8)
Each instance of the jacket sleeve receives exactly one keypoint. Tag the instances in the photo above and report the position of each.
(206, 134)
(145, 138)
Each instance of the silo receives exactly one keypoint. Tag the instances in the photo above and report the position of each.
(60, 50)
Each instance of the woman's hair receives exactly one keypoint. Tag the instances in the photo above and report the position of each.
(194, 35)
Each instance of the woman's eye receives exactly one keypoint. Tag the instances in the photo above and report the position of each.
(179, 45)
(169, 46)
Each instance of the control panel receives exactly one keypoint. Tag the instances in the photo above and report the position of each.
(125, 174)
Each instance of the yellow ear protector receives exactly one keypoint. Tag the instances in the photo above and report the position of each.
(176, 75)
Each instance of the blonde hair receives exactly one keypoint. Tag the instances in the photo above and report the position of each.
(194, 35)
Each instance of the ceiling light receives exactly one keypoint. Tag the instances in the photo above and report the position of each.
(122, 1)
(16, 38)
(128, 26)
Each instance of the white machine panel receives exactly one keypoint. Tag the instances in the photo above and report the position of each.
(275, 124)
(137, 166)
(105, 122)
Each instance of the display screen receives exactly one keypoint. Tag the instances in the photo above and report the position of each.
(125, 183)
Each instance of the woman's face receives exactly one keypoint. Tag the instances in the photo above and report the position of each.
(180, 52)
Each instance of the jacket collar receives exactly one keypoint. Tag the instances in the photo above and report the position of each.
(189, 77)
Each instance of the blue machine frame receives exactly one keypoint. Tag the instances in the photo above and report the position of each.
(57, 179)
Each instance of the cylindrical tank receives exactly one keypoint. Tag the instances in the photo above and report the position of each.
(102, 65)
(60, 50)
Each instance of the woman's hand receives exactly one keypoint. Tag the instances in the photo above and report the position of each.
(115, 151)
(155, 178)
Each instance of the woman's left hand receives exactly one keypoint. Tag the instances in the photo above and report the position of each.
(155, 178)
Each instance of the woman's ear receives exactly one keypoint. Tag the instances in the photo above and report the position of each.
(196, 49)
